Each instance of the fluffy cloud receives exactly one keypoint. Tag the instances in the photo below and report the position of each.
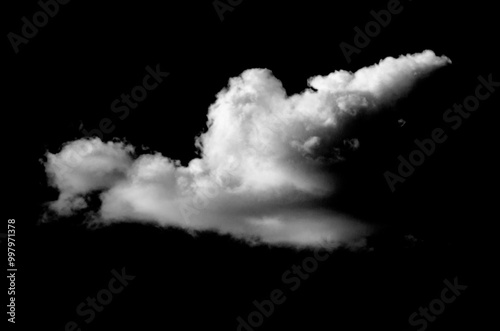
(266, 171)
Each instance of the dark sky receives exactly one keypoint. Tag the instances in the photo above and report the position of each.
(67, 76)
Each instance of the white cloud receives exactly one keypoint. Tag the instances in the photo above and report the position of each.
(265, 168)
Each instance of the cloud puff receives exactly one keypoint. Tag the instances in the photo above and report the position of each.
(266, 166)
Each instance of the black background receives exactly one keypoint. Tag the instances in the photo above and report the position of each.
(90, 52)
